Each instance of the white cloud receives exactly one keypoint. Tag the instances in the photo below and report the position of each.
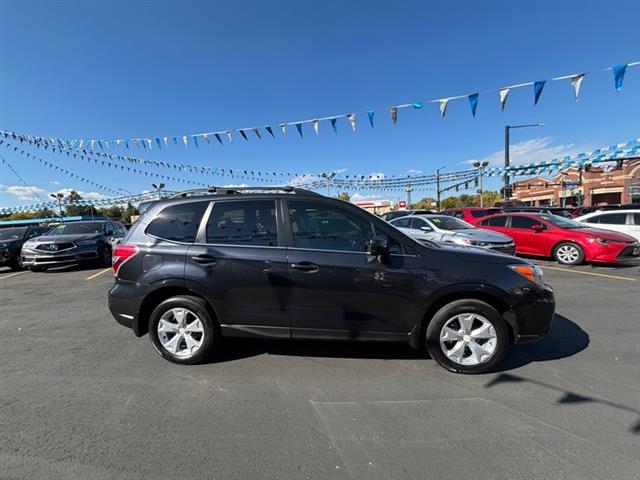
(530, 151)
(25, 193)
(414, 172)
(358, 197)
(85, 195)
(54, 182)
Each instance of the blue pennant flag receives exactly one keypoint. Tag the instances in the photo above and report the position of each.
(473, 103)
(537, 90)
(418, 105)
(299, 128)
(270, 130)
(618, 76)
(100, 145)
(244, 135)
(218, 138)
(195, 141)
(158, 143)
(126, 142)
(370, 114)
(334, 124)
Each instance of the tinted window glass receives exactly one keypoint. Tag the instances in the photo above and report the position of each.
(458, 214)
(478, 213)
(523, 222)
(402, 223)
(636, 218)
(243, 223)
(178, 223)
(595, 219)
(613, 218)
(326, 227)
(495, 221)
(417, 223)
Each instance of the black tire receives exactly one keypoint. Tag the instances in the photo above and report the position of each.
(38, 269)
(105, 256)
(211, 331)
(16, 265)
(562, 256)
(459, 307)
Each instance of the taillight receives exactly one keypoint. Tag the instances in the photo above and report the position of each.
(121, 254)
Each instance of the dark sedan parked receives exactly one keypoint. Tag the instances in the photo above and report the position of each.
(70, 243)
(11, 241)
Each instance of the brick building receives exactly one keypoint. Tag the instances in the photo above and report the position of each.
(596, 185)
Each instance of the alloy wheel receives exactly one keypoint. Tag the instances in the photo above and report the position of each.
(468, 339)
(568, 254)
(180, 332)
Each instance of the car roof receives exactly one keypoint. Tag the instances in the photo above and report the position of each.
(612, 211)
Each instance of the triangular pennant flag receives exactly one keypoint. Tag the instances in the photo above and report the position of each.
(370, 114)
(443, 107)
(394, 115)
(175, 140)
(195, 140)
(299, 128)
(270, 131)
(217, 135)
(257, 132)
(473, 103)
(352, 120)
(166, 141)
(244, 135)
(314, 123)
(334, 124)
(184, 140)
(418, 105)
(158, 143)
(283, 127)
(537, 90)
(576, 83)
(504, 93)
(206, 138)
(229, 136)
(618, 76)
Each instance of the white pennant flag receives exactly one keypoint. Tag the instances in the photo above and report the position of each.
(93, 142)
(352, 120)
(504, 93)
(576, 83)
(81, 143)
(229, 136)
(118, 142)
(443, 107)
(166, 141)
(184, 140)
(315, 125)
(283, 127)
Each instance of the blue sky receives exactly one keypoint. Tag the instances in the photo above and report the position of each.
(149, 69)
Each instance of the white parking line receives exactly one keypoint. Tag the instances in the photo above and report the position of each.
(615, 277)
(12, 275)
(98, 274)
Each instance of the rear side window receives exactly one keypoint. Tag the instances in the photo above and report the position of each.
(178, 222)
(613, 219)
(636, 218)
(402, 222)
(495, 221)
(523, 222)
(243, 223)
(477, 213)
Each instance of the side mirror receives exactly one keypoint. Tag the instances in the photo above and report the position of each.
(537, 228)
(380, 246)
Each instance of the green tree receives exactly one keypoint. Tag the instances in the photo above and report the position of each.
(114, 212)
(449, 202)
(425, 203)
(344, 196)
(489, 198)
(74, 210)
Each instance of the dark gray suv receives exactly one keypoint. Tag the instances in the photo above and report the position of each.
(290, 264)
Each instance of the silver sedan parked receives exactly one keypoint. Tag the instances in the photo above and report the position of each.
(448, 229)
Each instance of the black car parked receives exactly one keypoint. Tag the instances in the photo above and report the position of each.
(69, 243)
(11, 240)
(290, 264)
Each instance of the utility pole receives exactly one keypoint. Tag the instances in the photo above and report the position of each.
(328, 178)
(507, 160)
(438, 188)
(409, 189)
(59, 197)
(480, 167)
(158, 188)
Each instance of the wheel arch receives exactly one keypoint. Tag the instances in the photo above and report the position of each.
(573, 241)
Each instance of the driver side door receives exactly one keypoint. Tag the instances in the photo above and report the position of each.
(338, 290)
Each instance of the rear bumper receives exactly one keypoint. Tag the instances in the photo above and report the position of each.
(123, 305)
(533, 314)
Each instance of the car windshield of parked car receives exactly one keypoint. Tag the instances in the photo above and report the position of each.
(12, 233)
(561, 222)
(77, 229)
(446, 222)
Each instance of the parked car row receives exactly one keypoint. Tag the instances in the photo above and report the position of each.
(39, 248)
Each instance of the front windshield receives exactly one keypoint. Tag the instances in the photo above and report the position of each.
(561, 222)
(445, 222)
(77, 228)
(12, 233)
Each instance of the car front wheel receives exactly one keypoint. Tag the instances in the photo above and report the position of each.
(182, 330)
(568, 254)
(467, 336)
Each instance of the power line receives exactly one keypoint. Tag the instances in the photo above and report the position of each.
(5, 161)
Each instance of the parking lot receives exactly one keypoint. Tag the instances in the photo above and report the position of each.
(83, 398)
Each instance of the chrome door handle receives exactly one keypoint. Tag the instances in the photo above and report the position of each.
(306, 267)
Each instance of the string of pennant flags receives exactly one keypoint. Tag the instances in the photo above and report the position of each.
(195, 140)
(101, 202)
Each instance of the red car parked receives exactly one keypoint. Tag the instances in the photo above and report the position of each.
(470, 214)
(567, 241)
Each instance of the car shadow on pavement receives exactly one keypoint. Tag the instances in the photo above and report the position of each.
(565, 338)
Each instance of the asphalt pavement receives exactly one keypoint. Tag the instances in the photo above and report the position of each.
(81, 397)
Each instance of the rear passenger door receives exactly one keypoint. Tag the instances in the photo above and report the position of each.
(527, 239)
(239, 259)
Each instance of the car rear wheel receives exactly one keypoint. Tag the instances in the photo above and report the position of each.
(182, 330)
(568, 254)
(467, 336)
(105, 256)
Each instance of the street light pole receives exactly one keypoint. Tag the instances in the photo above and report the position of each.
(481, 167)
(59, 197)
(507, 160)
(328, 177)
(438, 188)
(409, 189)
(158, 188)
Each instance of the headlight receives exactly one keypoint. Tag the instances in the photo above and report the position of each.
(479, 244)
(462, 241)
(602, 241)
(86, 242)
(531, 272)
(29, 245)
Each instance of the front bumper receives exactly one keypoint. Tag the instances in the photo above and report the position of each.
(532, 315)
(32, 257)
(617, 252)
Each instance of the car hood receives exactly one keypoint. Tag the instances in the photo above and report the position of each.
(607, 234)
(66, 238)
(480, 255)
(482, 235)
(11, 242)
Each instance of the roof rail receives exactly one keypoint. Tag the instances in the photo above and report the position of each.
(212, 190)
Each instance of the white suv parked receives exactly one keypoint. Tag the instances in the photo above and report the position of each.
(623, 221)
